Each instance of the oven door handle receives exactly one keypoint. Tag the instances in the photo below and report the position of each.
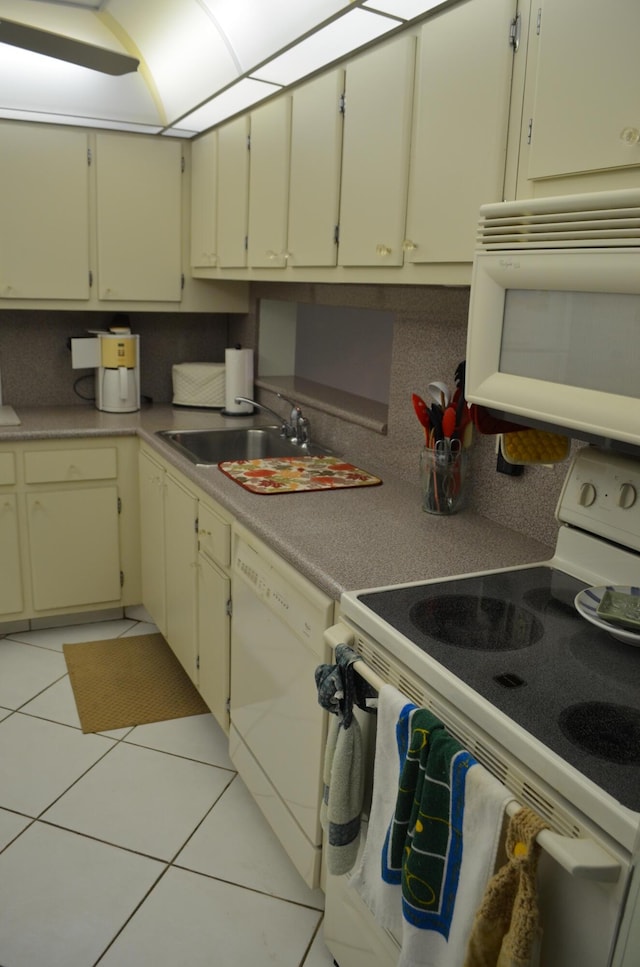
(581, 857)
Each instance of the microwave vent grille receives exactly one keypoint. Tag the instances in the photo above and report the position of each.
(603, 220)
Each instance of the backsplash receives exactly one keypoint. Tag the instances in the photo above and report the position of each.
(35, 362)
(429, 341)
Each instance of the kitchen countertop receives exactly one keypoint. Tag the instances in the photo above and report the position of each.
(340, 540)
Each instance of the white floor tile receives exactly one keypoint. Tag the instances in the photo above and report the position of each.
(64, 897)
(143, 628)
(25, 671)
(189, 919)
(10, 826)
(319, 955)
(55, 638)
(39, 760)
(195, 737)
(236, 843)
(141, 799)
(57, 704)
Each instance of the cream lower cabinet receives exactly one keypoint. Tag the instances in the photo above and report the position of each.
(69, 533)
(185, 557)
(74, 547)
(181, 553)
(11, 594)
(152, 554)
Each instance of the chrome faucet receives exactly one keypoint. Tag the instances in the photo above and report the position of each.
(295, 429)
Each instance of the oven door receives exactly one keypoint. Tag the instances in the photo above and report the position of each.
(580, 905)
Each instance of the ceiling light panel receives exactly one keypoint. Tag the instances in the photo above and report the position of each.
(256, 29)
(238, 98)
(353, 30)
(404, 9)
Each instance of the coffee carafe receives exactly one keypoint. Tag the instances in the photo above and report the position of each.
(118, 373)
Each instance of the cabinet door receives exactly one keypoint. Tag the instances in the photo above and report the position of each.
(581, 120)
(269, 183)
(314, 184)
(233, 197)
(375, 162)
(204, 200)
(139, 220)
(181, 551)
(44, 213)
(151, 484)
(74, 547)
(214, 592)
(11, 600)
(460, 127)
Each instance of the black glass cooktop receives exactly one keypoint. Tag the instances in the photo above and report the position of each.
(516, 638)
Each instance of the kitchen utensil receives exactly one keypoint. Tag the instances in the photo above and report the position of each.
(449, 421)
(440, 393)
(435, 419)
(587, 603)
(422, 412)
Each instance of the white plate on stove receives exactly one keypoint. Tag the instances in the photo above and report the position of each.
(587, 602)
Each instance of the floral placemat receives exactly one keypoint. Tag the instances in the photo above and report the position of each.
(286, 475)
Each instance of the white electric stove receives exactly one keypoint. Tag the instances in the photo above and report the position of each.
(544, 695)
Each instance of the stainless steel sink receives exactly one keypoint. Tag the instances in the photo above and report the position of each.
(209, 447)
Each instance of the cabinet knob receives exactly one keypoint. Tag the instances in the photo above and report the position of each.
(383, 250)
(630, 136)
(408, 245)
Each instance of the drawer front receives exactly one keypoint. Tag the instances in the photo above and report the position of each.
(7, 469)
(214, 534)
(50, 466)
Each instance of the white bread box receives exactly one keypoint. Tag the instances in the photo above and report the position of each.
(198, 384)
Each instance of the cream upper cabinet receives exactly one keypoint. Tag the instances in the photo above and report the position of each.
(580, 123)
(139, 187)
(233, 194)
(204, 201)
(314, 182)
(375, 162)
(463, 84)
(44, 213)
(269, 183)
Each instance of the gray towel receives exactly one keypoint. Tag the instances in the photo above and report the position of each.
(342, 795)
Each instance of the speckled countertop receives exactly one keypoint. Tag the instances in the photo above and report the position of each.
(341, 540)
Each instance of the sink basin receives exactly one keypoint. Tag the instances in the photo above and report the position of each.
(209, 447)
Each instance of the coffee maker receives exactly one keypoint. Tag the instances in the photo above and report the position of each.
(116, 359)
(118, 373)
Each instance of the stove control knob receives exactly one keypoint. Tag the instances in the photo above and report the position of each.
(627, 496)
(587, 495)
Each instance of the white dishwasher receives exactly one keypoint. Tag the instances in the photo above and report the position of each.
(277, 732)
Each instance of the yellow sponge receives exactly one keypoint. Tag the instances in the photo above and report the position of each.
(534, 446)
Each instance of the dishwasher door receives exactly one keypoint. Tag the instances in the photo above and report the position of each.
(277, 726)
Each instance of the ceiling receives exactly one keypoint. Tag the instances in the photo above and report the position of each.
(200, 61)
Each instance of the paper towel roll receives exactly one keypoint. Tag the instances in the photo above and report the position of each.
(238, 379)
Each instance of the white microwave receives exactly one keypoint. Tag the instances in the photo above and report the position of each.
(554, 316)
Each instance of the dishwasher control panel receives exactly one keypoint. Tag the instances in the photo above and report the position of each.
(293, 599)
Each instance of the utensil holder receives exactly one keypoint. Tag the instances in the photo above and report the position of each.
(444, 478)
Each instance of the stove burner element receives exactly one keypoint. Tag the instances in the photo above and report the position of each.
(476, 622)
(609, 731)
